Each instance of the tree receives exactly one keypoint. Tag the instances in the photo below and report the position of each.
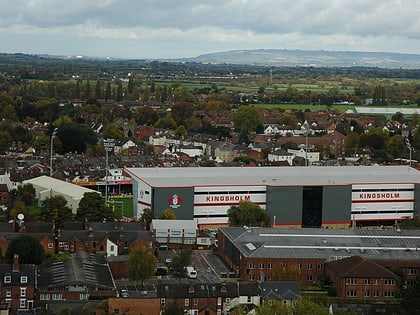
(180, 261)
(248, 214)
(26, 193)
(76, 137)
(247, 119)
(168, 214)
(285, 273)
(93, 208)
(181, 111)
(28, 248)
(173, 308)
(302, 306)
(141, 263)
(108, 91)
(147, 216)
(55, 209)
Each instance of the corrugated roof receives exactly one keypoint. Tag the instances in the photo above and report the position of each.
(274, 176)
(325, 243)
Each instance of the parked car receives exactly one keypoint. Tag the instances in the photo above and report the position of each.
(124, 293)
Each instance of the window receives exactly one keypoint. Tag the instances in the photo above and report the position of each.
(351, 281)
(44, 297)
(367, 293)
(219, 301)
(227, 301)
(351, 293)
(50, 245)
(389, 294)
(309, 277)
(7, 279)
(270, 266)
(22, 292)
(23, 279)
(57, 297)
(8, 293)
(22, 303)
(309, 266)
(412, 271)
(375, 293)
(187, 302)
(84, 296)
(60, 244)
(249, 299)
(367, 281)
(251, 266)
(195, 301)
(320, 266)
(389, 281)
(116, 310)
(112, 248)
(299, 266)
(162, 301)
(261, 266)
(251, 277)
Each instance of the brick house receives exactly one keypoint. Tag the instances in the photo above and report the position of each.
(209, 298)
(134, 306)
(358, 277)
(17, 289)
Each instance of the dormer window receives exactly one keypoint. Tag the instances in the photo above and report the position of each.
(24, 279)
(7, 279)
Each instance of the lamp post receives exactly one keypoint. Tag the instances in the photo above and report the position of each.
(54, 133)
(407, 142)
(305, 127)
(109, 146)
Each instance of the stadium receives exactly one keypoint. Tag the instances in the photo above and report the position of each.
(311, 197)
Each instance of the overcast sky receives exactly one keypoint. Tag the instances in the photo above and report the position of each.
(188, 28)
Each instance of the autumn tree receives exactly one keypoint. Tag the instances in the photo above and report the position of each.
(147, 216)
(92, 208)
(285, 273)
(26, 193)
(168, 214)
(180, 261)
(141, 263)
(55, 209)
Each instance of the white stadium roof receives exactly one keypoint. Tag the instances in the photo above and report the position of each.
(274, 176)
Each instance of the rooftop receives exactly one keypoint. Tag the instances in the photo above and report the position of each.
(274, 176)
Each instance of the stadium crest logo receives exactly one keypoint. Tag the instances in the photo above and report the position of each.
(175, 201)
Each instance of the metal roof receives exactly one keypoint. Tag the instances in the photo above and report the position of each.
(325, 243)
(274, 176)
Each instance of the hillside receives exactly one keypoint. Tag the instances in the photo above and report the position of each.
(318, 58)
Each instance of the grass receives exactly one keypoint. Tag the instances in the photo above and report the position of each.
(123, 206)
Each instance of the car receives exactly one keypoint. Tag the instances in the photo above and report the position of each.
(124, 293)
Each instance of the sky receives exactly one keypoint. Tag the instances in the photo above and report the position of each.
(162, 29)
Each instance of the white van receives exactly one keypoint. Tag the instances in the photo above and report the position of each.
(191, 272)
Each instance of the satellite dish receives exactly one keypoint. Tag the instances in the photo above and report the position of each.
(20, 216)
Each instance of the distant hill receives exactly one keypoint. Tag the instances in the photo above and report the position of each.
(316, 58)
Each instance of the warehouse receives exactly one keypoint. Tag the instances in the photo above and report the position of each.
(294, 196)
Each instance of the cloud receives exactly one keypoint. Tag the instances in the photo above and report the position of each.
(391, 25)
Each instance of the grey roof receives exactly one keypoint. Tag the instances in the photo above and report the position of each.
(280, 290)
(274, 176)
(89, 269)
(326, 244)
(212, 290)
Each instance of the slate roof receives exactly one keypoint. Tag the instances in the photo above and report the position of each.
(28, 270)
(280, 290)
(207, 290)
(85, 268)
(326, 244)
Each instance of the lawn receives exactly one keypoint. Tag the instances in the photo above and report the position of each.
(122, 205)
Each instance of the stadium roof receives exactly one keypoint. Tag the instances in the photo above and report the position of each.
(385, 110)
(274, 176)
(325, 243)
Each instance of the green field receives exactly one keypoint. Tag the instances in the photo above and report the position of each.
(123, 206)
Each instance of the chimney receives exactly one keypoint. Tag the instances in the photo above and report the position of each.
(15, 263)
(191, 287)
(223, 289)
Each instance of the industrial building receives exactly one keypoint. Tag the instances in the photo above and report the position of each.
(308, 197)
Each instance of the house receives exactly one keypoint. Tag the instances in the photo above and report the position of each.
(209, 298)
(123, 145)
(280, 155)
(174, 231)
(310, 155)
(134, 306)
(284, 291)
(18, 284)
(358, 277)
(82, 276)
